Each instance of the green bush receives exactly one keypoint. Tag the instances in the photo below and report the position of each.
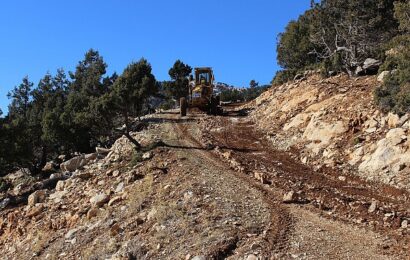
(283, 76)
(394, 94)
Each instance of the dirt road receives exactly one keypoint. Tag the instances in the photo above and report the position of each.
(329, 215)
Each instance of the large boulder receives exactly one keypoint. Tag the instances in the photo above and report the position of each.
(370, 67)
(74, 163)
(320, 133)
(371, 63)
(388, 153)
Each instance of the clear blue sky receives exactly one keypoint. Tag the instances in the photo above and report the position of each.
(236, 37)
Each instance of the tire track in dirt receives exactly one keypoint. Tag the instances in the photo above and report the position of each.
(346, 200)
(334, 194)
(281, 221)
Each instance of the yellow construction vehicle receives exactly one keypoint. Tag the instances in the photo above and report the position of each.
(201, 93)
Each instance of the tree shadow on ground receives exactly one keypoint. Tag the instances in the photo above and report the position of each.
(185, 147)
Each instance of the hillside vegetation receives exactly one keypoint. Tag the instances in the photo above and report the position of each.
(352, 37)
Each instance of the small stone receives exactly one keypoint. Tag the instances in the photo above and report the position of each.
(151, 214)
(35, 211)
(392, 120)
(4, 203)
(114, 200)
(116, 173)
(49, 167)
(60, 186)
(383, 75)
(82, 175)
(93, 212)
(404, 223)
(115, 229)
(255, 246)
(147, 156)
(99, 200)
(371, 130)
(289, 197)
(342, 178)
(120, 187)
(37, 197)
(373, 206)
(70, 233)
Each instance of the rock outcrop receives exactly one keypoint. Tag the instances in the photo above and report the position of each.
(334, 122)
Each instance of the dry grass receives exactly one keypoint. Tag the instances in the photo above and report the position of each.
(139, 193)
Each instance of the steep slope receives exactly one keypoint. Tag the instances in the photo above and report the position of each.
(335, 123)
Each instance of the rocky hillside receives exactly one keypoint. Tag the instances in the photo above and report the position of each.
(335, 123)
(172, 202)
(213, 187)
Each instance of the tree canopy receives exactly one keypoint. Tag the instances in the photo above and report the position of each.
(178, 87)
(63, 115)
(337, 36)
(131, 91)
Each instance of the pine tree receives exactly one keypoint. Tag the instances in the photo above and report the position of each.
(179, 74)
(130, 92)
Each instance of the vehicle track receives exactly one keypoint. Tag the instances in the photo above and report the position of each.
(277, 239)
(322, 192)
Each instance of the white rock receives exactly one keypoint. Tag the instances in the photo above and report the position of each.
(60, 186)
(404, 223)
(120, 187)
(74, 163)
(324, 132)
(147, 156)
(116, 173)
(373, 207)
(383, 75)
(101, 151)
(289, 197)
(71, 233)
(393, 120)
(152, 214)
(58, 196)
(371, 130)
(99, 200)
(404, 119)
(395, 136)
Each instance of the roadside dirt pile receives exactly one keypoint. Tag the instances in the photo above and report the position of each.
(335, 123)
